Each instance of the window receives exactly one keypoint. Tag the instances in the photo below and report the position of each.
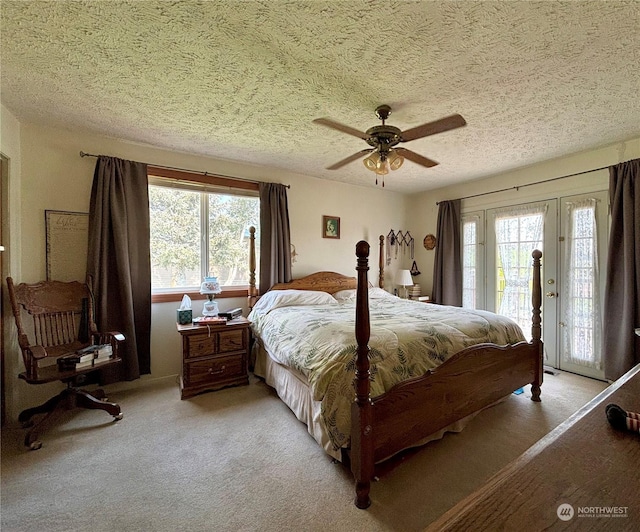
(472, 260)
(199, 226)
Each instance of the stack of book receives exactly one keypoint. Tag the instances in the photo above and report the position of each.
(87, 357)
(414, 291)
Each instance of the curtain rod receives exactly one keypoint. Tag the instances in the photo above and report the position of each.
(205, 173)
(518, 187)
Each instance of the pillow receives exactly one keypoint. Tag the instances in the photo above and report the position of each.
(289, 298)
(379, 293)
(350, 295)
(345, 295)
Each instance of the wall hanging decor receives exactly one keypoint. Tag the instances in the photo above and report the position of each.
(330, 227)
(397, 240)
(67, 235)
(429, 242)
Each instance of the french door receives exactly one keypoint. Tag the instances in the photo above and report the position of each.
(572, 234)
(584, 224)
(512, 235)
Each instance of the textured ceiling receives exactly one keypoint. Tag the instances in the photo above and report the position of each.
(243, 80)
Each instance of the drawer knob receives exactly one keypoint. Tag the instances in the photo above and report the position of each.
(216, 372)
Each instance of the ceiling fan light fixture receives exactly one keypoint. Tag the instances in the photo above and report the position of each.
(395, 159)
(382, 167)
(372, 161)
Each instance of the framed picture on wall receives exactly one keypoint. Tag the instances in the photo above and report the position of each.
(67, 236)
(330, 227)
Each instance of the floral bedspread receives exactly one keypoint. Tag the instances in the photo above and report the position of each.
(407, 339)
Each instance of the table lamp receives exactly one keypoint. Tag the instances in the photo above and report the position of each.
(210, 287)
(403, 278)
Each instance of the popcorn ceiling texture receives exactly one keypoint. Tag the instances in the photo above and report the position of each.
(243, 80)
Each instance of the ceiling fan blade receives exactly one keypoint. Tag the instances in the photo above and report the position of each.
(341, 127)
(416, 158)
(347, 160)
(438, 126)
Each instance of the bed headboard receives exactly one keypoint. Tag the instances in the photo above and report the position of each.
(329, 282)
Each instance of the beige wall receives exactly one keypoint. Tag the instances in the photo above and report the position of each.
(54, 176)
(11, 231)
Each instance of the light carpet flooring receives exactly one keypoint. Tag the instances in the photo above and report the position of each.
(238, 460)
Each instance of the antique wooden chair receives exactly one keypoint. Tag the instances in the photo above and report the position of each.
(55, 319)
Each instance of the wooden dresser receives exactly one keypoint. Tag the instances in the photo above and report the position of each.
(214, 356)
(583, 475)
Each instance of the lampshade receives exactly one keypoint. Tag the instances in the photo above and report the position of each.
(382, 168)
(395, 159)
(371, 162)
(403, 278)
(210, 285)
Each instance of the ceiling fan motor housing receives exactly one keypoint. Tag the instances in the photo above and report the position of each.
(383, 137)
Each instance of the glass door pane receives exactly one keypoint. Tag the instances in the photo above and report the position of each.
(583, 224)
(518, 232)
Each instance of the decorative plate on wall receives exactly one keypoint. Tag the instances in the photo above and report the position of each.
(429, 242)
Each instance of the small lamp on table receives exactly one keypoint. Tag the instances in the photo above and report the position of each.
(210, 287)
(403, 278)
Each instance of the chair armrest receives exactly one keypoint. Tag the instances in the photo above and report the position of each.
(117, 336)
(114, 338)
(37, 351)
(108, 337)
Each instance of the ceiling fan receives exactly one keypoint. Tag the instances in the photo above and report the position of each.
(383, 154)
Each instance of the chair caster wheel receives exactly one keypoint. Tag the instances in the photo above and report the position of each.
(35, 445)
(118, 417)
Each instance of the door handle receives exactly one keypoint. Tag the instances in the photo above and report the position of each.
(551, 294)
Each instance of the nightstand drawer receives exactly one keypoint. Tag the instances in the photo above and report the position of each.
(201, 345)
(232, 341)
(212, 370)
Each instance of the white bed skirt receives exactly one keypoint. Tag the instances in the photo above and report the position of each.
(293, 388)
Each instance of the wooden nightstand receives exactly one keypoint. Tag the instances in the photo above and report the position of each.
(214, 356)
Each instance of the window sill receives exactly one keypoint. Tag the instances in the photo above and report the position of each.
(177, 296)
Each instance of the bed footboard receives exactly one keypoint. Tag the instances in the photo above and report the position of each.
(412, 410)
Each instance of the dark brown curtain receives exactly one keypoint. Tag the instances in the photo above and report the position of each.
(275, 237)
(621, 346)
(118, 259)
(447, 269)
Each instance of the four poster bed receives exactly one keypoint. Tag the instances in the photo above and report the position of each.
(400, 381)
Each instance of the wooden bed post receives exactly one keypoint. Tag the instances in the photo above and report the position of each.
(536, 325)
(361, 412)
(252, 293)
(381, 263)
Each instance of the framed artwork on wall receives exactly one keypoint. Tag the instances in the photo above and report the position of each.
(330, 227)
(67, 236)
